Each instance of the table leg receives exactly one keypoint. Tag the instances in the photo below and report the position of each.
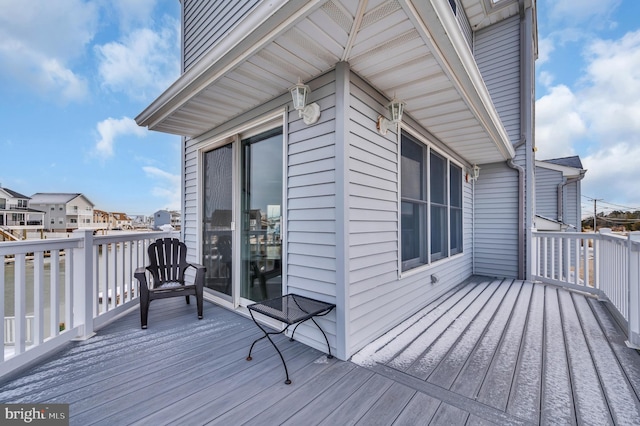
(266, 334)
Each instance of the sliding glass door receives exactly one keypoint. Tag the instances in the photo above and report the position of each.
(242, 217)
(261, 200)
(217, 226)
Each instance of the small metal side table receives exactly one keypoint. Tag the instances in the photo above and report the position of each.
(290, 309)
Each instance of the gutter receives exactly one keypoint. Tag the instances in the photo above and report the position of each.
(525, 198)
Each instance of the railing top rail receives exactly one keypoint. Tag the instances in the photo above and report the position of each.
(581, 235)
(133, 236)
(31, 246)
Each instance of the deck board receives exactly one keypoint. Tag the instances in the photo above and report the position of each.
(488, 352)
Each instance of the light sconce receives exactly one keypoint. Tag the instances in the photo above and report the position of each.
(396, 109)
(309, 113)
(474, 173)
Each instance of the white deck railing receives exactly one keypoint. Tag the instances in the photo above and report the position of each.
(603, 264)
(69, 286)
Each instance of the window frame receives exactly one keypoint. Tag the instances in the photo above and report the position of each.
(451, 165)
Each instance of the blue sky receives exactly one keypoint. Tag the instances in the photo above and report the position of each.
(588, 95)
(74, 74)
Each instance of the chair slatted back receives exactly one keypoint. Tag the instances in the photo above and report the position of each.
(168, 261)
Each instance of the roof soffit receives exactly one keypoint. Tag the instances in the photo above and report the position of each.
(411, 49)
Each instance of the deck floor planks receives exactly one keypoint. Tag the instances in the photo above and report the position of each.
(497, 384)
(273, 407)
(629, 359)
(419, 410)
(557, 397)
(324, 404)
(618, 391)
(269, 381)
(448, 369)
(424, 365)
(524, 399)
(388, 407)
(590, 403)
(200, 389)
(566, 357)
(421, 343)
(473, 372)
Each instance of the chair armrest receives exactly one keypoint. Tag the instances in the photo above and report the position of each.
(200, 271)
(141, 276)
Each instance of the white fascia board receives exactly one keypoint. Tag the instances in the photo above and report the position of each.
(261, 26)
(566, 170)
(438, 27)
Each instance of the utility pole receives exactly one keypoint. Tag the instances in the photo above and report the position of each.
(595, 202)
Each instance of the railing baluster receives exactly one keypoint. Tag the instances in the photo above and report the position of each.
(20, 302)
(54, 300)
(38, 298)
(2, 283)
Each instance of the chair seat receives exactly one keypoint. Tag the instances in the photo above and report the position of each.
(170, 284)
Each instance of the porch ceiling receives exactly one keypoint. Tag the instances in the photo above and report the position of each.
(413, 49)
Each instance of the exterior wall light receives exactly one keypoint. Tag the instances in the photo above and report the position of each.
(474, 173)
(396, 109)
(309, 113)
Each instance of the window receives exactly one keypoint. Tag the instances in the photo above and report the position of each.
(431, 221)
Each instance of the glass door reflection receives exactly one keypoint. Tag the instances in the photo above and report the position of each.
(261, 216)
(217, 219)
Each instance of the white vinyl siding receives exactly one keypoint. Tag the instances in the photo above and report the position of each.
(378, 299)
(572, 205)
(206, 22)
(497, 53)
(547, 182)
(496, 221)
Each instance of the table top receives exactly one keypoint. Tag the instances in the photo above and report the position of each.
(291, 308)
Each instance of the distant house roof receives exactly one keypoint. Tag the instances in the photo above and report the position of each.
(573, 161)
(55, 198)
(13, 194)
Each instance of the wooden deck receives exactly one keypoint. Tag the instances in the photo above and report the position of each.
(490, 352)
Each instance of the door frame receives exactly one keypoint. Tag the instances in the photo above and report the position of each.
(235, 136)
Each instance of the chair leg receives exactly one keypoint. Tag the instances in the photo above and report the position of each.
(188, 301)
(144, 312)
(199, 303)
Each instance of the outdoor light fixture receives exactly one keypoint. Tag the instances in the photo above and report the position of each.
(396, 109)
(309, 113)
(474, 173)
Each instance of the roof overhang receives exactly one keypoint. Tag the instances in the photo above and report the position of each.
(566, 171)
(412, 49)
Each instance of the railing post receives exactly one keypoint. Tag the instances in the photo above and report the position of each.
(83, 285)
(633, 322)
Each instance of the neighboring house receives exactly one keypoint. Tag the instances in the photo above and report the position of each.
(101, 219)
(335, 202)
(63, 211)
(160, 218)
(16, 214)
(558, 194)
(120, 221)
(141, 221)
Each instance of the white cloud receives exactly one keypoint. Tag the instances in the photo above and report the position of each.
(584, 10)
(599, 119)
(167, 187)
(558, 123)
(131, 13)
(545, 47)
(142, 65)
(40, 59)
(113, 128)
